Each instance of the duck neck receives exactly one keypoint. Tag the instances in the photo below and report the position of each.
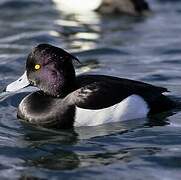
(70, 77)
(69, 87)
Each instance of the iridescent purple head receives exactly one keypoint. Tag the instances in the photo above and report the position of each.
(50, 69)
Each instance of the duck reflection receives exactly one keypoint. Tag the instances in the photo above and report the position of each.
(67, 150)
(49, 147)
(60, 160)
(38, 136)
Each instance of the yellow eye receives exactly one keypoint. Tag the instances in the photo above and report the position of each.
(37, 66)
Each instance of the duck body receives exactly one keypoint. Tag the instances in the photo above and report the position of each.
(97, 100)
(65, 100)
(131, 7)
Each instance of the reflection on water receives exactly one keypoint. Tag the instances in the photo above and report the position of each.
(60, 160)
(82, 31)
(133, 47)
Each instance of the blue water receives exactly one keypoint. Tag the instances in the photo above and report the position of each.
(141, 48)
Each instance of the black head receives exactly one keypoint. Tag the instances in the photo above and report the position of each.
(50, 69)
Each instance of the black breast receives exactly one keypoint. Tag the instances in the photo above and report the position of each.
(41, 109)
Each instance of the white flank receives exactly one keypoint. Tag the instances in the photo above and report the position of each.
(133, 107)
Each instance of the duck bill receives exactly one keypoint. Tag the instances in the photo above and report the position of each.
(18, 84)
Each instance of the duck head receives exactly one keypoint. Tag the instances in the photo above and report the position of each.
(50, 69)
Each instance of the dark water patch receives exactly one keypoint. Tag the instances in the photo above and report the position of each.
(174, 61)
(14, 65)
(172, 51)
(101, 51)
(159, 77)
(5, 69)
(166, 162)
(18, 5)
(14, 99)
(24, 38)
(155, 77)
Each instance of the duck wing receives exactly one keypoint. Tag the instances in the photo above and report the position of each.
(98, 91)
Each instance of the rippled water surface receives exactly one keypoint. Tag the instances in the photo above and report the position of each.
(141, 48)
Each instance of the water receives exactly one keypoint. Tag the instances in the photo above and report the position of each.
(146, 49)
